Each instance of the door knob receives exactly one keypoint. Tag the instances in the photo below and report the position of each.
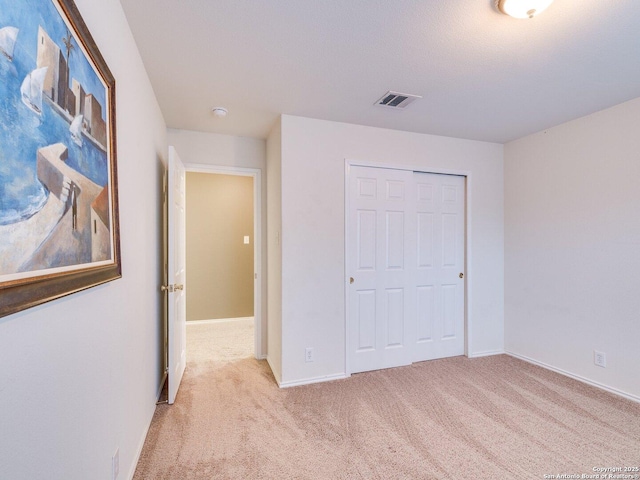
(351, 280)
(461, 275)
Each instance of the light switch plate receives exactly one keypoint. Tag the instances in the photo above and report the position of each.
(246, 239)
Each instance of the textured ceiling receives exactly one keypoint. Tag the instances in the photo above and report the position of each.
(482, 75)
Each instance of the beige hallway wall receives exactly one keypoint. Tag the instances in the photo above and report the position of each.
(219, 263)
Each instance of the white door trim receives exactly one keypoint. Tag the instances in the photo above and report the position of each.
(256, 174)
(468, 322)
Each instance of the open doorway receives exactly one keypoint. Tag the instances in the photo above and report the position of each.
(223, 249)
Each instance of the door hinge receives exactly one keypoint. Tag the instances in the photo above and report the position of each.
(172, 288)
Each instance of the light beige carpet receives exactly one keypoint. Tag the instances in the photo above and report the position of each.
(487, 418)
(220, 341)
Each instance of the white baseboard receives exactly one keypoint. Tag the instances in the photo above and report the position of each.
(339, 376)
(309, 381)
(218, 320)
(601, 386)
(487, 353)
(159, 392)
(138, 452)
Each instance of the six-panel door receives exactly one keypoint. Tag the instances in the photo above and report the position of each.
(382, 252)
(406, 253)
(439, 210)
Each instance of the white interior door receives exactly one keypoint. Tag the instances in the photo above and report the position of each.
(381, 243)
(177, 316)
(405, 266)
(440, 201)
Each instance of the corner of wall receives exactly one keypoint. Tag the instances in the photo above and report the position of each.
(274, 249)
(571, 242)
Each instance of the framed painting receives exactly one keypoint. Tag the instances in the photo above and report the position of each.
(59, 229)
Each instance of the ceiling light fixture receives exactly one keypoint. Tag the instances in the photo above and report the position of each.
(220, 112)
(522, 8)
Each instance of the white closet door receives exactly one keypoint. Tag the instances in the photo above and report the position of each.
(440, 288)
(405, 254)
(382, 256)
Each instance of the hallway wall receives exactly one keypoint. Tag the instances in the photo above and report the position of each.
(79, 376)
(219, 263)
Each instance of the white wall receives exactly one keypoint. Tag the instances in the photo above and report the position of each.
(274, 218)
(572, 256)
(79, 375)
(229, 151)
(313, 200)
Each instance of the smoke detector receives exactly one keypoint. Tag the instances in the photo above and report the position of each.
(396, 100)
(220, 112)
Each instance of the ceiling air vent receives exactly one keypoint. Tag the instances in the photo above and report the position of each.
(396, 100)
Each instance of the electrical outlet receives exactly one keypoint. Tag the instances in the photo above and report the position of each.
(600, 358)
(115, 464)
(308, 354)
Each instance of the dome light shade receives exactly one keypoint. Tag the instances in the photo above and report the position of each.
(522, 8)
